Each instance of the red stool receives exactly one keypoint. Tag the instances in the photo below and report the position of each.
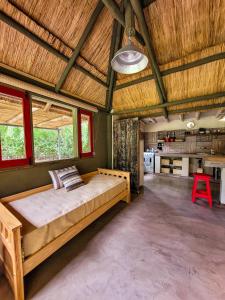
(206, 194)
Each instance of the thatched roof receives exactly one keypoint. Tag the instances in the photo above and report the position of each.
(39, 37)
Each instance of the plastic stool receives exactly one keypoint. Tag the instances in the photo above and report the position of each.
(206, 194)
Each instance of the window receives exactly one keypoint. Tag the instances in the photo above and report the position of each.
(54, 131)
(15, 130)
(85, 126)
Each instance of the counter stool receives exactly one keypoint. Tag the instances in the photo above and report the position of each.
(206, 194)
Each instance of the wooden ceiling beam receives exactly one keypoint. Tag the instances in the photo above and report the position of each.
(14, 24)
(180, 111)
(146, 3)
(111, 77)
(80, 44)
(173, 103)
(152, 57)
(119, 16)
(196, 63)
(41, 84)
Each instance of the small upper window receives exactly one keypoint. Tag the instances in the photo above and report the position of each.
(85, 133)
(15, 133)
(54, 131)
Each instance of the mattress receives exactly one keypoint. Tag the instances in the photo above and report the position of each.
(50, 213)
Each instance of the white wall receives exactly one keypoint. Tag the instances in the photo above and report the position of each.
(207, 122)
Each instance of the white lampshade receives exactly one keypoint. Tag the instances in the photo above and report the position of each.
(129, 60)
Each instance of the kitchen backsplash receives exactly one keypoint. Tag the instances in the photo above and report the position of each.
(195, 143)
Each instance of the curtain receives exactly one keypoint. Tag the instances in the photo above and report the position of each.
(125, 148)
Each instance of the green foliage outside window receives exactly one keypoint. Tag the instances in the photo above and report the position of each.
(12, 142)
(49, 144)
(86, 147)
(53, 144)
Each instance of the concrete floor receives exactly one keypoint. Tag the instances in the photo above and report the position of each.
(160, 247)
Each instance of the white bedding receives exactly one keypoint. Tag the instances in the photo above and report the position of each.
(52, 212)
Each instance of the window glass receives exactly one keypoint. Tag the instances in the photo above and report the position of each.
(53, 131)
(85, 133)
(12, 128)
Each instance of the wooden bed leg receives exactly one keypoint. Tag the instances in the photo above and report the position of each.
(17, 266)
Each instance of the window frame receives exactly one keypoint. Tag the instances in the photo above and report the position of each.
(27, 129)
(74, 111)
(90, 115)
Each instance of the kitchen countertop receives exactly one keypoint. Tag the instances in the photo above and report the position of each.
(194, 155)
(217, 161)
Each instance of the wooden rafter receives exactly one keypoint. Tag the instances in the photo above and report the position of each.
(111, 78)
(153, 62)
(180, 111)
(41, 84)
(80, 44)
(196, 63)
(119, 16)
(173, 103)
(146, 3)
(16, 25)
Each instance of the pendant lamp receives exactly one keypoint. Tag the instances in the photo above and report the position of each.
(129, 60)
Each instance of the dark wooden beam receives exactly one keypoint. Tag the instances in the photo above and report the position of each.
(14, 24)
(146, 3)
(180, 111)
(196, 63)
(173, 103)
(119, 16)
(116, 41)
(152, 57)
(111, 73)
(42, 84)
(85, 35)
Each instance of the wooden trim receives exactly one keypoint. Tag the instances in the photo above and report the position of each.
(46, 93)
(10, 233)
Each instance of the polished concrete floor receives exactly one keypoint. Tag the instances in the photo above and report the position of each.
(159, 247)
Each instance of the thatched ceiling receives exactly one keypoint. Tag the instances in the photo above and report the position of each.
(187, 36)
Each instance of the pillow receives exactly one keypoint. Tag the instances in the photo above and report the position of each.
(71, 179)
(57, 182)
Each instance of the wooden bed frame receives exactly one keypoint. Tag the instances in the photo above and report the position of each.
(15, 267)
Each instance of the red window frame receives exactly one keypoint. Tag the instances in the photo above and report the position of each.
(27, 129)
(90, 115)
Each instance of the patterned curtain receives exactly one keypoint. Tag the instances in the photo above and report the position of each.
(125, 148)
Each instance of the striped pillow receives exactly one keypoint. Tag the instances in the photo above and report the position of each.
(71, 179)
(57, 182)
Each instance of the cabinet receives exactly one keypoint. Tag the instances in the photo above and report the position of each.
(172, 165)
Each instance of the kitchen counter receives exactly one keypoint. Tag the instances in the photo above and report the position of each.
(194, 155)
(218, 161)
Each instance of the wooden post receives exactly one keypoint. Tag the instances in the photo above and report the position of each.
(17, 266)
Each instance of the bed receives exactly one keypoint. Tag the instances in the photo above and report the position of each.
(36, 223)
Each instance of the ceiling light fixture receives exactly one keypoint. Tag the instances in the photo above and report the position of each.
(222, 119)
(129, 59)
